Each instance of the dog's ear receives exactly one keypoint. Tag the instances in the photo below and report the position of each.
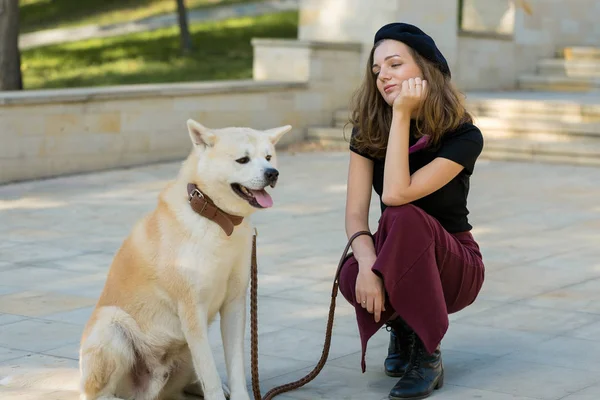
(276, 133)
(201, 135)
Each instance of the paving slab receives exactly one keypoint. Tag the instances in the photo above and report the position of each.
(534, 332)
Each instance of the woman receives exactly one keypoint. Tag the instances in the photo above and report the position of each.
(415, 144)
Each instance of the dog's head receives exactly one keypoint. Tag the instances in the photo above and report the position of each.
(234, 166)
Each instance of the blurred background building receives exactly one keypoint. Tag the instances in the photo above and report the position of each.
(109, 84)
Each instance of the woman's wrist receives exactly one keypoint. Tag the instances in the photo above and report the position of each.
(400, 116)
(366, 262)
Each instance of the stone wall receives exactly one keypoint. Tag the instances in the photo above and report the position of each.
(553, 25)
(485, 63)
(343, 20)
(297, 82)
(494, 59)
(331, 68)
(499, 42)
(55, 132)
(358, 20)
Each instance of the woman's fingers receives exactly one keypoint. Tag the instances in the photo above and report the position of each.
(361, 299)
(377, 309)
(405, 87)
(414, 87)
(371, 296)
(375, 305)
(370, 304)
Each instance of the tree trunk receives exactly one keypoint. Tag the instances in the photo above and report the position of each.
(10, 58)
(186, 39)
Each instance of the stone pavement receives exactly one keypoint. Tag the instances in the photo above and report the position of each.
(74, 34)
(534, 332)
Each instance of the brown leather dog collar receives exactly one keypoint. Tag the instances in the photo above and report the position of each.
(203, 205)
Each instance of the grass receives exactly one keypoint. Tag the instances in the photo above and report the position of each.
(48, 14)
(222, 50)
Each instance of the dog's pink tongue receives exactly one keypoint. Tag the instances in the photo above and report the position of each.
(263, 198)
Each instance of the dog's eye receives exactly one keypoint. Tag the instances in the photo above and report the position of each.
(243, 160)
(268, 158)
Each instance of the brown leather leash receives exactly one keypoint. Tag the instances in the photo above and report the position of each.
(254, 327)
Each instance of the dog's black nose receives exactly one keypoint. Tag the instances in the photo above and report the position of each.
(271, 175)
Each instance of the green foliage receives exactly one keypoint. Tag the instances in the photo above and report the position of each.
(48, 14)
(222, 50)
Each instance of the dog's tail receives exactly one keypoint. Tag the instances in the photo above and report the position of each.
(62, 379)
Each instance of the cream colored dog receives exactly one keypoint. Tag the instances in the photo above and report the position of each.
(147, 338)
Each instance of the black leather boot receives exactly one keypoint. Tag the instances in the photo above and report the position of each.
(398, 357)
(424, 374)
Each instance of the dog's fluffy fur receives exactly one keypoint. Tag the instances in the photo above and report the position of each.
(147, 338)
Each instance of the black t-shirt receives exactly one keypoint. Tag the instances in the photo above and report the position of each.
(449, 203)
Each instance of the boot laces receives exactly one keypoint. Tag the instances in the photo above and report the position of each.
(399, 333)
(416, 356)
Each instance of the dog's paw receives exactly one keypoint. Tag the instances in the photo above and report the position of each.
(226, 391)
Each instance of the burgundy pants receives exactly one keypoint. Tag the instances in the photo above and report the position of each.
(427, 272)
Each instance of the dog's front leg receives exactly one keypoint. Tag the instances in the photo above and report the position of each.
(233, 322)
(194, 323)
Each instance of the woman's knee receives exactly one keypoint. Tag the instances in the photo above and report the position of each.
(473, 285)
(406, 213)
(348, 275)
(404, 209)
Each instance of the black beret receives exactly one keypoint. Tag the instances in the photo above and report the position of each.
(417, 40)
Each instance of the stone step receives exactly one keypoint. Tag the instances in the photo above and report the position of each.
(542, 126)
(537, 128)
(329, 133)
(341, 118)
(324, 138)
(498, 127)
(575, 68)
(558, 106)
(580, 53)
(559, 83)
(575, 150)
(535, 140)
(561, 106)
(540, 140)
